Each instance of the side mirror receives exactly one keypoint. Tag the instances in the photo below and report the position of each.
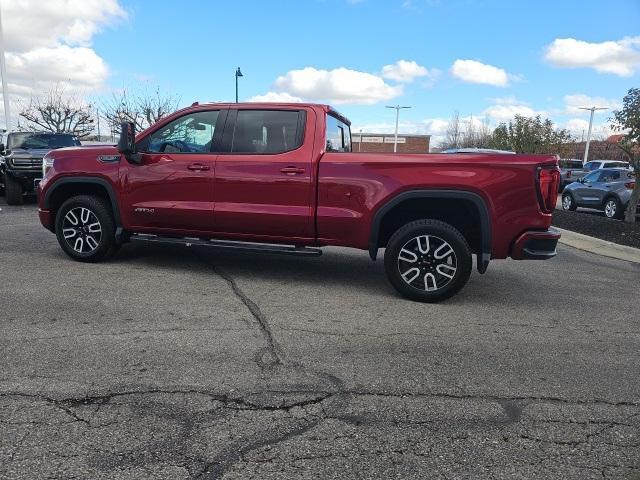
(127, 142)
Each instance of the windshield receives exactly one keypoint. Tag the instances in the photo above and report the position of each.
(29, 141)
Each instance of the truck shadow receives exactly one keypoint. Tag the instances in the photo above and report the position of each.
(346, 270)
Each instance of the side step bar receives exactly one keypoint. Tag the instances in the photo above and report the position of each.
(229, 245)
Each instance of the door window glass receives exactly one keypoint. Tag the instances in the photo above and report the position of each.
(192, 133)
(266, 131)
(592, 177)
(609, 176)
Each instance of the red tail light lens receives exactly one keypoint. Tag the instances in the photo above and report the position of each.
(548, 182)
(630, 185)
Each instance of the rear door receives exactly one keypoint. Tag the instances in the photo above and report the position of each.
(263, 182)
(607, 182)
(172, 189)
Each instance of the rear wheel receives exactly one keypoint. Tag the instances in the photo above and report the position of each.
(568, 203)
(612, 208)
(13, 191)
(85, 228)
(428, 260)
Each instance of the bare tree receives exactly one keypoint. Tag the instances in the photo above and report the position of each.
(143, 108)
(58, 111)
(453, 135)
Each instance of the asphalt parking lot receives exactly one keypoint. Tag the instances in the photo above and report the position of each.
(172, 363)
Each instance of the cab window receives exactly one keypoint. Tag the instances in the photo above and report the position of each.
(192, 133)
(338, 135)
(267, 131)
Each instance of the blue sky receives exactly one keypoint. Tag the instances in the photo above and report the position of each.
(516, 48)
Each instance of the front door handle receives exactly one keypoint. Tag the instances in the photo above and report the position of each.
(292, 170)
(198, 167)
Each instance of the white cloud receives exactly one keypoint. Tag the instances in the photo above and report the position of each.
(48, 45)
(621, 57)
(577, 100)
(405, 71)
(472, 71)
(30, 24)
(278, 97)
(578, 127)
(338, 86)
(79, 67)
(506, 108)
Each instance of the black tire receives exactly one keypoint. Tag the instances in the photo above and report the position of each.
(437, 234)
(101, 246)
(13, 191)
(568, 202)
(613, 208)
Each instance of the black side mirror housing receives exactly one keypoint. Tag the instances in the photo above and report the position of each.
(127, 142)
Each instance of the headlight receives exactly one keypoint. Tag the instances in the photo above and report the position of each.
(47, 163)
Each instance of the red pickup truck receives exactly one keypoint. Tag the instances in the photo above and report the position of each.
(281, 178)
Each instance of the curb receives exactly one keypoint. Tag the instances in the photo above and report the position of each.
(599, 247)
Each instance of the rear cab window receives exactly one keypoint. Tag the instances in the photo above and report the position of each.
(338, 135)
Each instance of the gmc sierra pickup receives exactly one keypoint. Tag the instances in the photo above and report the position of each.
(281, 178)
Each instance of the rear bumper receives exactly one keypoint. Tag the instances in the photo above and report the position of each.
(536, 245)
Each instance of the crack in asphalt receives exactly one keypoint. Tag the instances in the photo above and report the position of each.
(270, 358)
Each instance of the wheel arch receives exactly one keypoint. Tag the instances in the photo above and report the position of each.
(67, 187)
(396, 203)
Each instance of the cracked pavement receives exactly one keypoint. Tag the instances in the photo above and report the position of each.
(182, 363)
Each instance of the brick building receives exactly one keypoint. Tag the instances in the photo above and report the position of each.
(383, 143)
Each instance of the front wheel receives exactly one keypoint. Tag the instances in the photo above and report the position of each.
(428, 260)
(85, 228)
(13, 191)
(568, 203)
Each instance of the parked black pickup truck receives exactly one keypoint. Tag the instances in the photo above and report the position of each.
(21, 160)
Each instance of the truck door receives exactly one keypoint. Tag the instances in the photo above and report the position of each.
(172, 189)
(263, 181)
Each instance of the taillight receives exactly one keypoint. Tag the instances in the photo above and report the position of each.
(630, 185)
(548, 182)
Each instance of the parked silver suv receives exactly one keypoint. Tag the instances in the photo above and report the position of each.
(607, 189)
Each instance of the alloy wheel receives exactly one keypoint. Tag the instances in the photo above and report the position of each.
(82, 230)
(427, 262)
(567, 201)
(610, 208)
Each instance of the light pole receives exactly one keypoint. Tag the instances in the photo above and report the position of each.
(395, 138)
(586, 148)
(238, 74)
(3, 72)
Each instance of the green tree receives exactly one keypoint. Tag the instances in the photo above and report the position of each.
(529, 135)
(628, 120)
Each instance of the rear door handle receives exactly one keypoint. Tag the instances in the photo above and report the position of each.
(292, 170)
(198, 167)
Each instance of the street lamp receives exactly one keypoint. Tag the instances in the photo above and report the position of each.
(395, 138)
(3, 72)
(586, 148)
(238, 74)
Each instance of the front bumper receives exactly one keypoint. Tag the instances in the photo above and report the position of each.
(28, 179)
(536, 245)
(46, 219)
